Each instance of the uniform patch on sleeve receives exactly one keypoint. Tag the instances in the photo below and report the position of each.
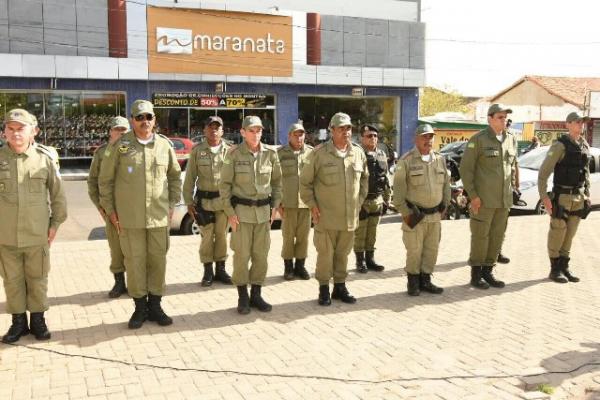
(471, 145)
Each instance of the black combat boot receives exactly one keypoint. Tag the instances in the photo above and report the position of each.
(299, 269)
(564, 264)
(488, 276)
(155, 311)
(426, 286)
(476, 279)
(17, 329)
(413, 284)
(502, 259)
(243, 300)
(208, 277)
(140, 314)
(340, 292)
(221, 275)
(324, 297)
(37, 324)
(288, 270)
(361, 266)
(556, 271)
(371, 263)
(257, 301)
(119, 288)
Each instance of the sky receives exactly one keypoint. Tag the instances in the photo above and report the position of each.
(480, 47)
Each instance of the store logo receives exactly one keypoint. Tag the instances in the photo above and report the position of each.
(173, 41)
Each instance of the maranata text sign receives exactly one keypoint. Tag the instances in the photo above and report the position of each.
(186, 41)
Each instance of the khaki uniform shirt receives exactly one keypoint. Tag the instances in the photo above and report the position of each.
(488, 168)
(425, 184)
(291, 167)
(29, 182)
(204, 173)
(140, 182)
(251, 177)
(336, 185)
(92, 181)
(555, 154)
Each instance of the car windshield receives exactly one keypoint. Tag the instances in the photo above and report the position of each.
(534, 158)
(177, 144)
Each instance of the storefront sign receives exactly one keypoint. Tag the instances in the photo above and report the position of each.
(189, 41)
(444, 137)
(211, 100)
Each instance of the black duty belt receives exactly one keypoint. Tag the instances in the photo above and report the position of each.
(565, 190)
(251, 203)
(431, 210)
(203, 194)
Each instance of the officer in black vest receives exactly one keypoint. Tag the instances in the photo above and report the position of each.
(569, 201)
(376, 203)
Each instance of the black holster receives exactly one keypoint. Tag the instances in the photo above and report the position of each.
(203, 217)
(415, 217)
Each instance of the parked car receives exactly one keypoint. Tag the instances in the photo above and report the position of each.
(454, 150)
(529, 166)
(183, 148)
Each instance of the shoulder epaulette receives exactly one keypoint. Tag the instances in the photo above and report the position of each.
(320, 146)
(308, 146)
(47, 151)
(405, 155)
(232, 148)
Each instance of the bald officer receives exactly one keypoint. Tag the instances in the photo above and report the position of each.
(251, 192)
(295, 215)
(568, 158)
(421, 194)
(202, 176)
(32, 207)
(488, 170)
(140, 184)
(334, 184)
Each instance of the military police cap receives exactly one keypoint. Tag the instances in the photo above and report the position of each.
(251, 121)
(368, 127)
(575, 116)
(213, 118)
(34, 119)
(296, 127)
(424, 129)
(141, 107)
(496, 108)
(21, 116)
(340, 119)
(118, 122)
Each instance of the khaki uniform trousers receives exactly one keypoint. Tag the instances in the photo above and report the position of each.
(117, 260)
(24, 271)
(333, 248)
(365, 235)
(487, 234)
(422, 244)
(250, 243)
(145, 252)
(213, 245)
(295, 226)
(561, 233)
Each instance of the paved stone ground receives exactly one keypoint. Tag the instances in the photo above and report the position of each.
(464, 344)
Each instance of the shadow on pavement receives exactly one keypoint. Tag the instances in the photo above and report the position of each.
(97, 234)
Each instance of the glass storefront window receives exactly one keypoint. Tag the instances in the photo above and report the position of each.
(73, 122)
(315, 112)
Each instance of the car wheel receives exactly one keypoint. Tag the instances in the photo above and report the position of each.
(189, 226)
(540, 209)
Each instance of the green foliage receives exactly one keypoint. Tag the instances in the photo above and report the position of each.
(545, 388)
(433, 101)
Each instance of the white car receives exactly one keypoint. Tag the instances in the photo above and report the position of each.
(529, 165)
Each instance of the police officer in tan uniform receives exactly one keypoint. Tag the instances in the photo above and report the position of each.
(295, 215)
(569, 202)
(334, 184)
(421, 194)
(203, 175)
(118, 126)
(140, 184)
(488, 171)
(251, 192)
(32, 207)
(376, 203)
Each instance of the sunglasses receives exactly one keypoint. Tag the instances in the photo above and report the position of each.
(141, 117)
(370, 135)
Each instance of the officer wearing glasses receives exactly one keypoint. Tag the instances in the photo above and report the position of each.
(140, 184)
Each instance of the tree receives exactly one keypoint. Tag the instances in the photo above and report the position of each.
(433, 101)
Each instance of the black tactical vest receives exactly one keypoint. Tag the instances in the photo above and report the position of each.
(570, 171)
(377, 164)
